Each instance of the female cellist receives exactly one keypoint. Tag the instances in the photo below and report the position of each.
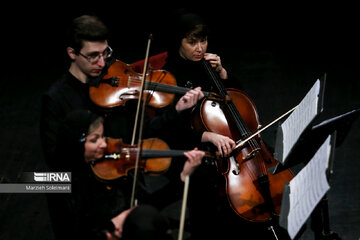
(210, 215)
(96, 209)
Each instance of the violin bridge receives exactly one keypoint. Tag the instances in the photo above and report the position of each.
(113, 81)
(127, 154)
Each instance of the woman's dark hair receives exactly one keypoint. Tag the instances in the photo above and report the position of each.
(186, 24)
(198, 32)
(72, 136)
(86, 28)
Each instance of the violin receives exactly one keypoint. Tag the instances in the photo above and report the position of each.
(122, 83)
(119, 158)
(253, 193)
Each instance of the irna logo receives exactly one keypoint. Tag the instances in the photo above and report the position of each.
(52, 177)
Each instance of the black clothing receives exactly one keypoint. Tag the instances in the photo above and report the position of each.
(87, 211)
(64, 96)
(68, 94)
(145, 222)
(91, 205)
(210, 213)
(191, 74)
(203, 192)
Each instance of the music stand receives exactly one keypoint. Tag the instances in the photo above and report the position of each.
(299, 120)
(312, 199)
(311, 139)
(303, 151)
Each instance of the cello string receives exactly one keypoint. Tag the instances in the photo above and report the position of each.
(222, 91)
(242, 126)
(234, 113)
(251, 171)
(244, 130)
(252, 142)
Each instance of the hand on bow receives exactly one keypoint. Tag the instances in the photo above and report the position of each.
(224, 144)
(194, 160)
(118, 222)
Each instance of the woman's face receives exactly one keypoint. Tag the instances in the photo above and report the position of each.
(193, 49)
(95, 145)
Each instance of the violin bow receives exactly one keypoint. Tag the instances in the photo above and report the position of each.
(132, 201)
(242, 142)
(183, 207)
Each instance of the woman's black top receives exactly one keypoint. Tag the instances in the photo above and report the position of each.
(191, 74)
(91, 205)
(206, 183)
(69, 94)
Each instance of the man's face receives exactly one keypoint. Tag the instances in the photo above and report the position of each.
(91, 58)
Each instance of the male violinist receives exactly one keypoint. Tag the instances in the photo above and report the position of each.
(88, 50)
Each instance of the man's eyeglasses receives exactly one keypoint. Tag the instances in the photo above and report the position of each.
(94, 57)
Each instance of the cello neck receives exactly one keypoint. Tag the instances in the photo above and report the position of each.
(229, 105)
(220, 88)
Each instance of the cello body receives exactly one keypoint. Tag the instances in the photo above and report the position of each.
(253, 193)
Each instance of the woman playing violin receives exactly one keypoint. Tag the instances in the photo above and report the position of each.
(97, 209)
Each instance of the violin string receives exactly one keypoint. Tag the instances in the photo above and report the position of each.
(158, 86)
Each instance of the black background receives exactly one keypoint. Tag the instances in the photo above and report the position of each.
(276, 50)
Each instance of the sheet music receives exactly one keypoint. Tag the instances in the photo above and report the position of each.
(307, 188)
(299, 119)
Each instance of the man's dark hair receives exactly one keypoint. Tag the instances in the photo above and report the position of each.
(86, 28)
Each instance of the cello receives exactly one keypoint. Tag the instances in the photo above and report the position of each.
(252, 192)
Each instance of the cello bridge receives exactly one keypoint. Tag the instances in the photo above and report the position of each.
(251, 154)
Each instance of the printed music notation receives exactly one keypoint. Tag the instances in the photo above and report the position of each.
(291, 129)
(307, 188)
